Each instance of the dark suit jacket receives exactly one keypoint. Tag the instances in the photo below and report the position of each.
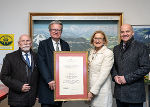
(46, 67)
(133, 64)
(14, 74)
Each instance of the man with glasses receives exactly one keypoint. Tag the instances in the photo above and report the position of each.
(19, 73)
(46, 64)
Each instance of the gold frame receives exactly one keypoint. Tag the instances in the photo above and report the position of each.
(61, 16)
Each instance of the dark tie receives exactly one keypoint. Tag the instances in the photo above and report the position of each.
(57, 48)
(27, 59)
(124, 46)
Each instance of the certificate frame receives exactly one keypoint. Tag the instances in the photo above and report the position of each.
(77, 28)
(60, 95)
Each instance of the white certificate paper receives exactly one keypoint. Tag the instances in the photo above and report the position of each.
(71, 75)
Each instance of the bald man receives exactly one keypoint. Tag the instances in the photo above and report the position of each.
(131, 64)
(19, 73)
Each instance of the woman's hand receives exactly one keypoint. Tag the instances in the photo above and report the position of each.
(90, 96)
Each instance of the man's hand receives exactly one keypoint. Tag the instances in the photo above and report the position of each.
(122, 79)
(25, 88)
(52, 85)
(117, 80)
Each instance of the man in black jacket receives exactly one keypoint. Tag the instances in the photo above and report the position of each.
(19, 73)
(131, 64)
(46, 64)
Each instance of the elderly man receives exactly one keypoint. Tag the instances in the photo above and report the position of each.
(46, 64)
(131, 64)
(19, 73)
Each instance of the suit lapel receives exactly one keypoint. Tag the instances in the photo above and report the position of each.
(50, 44)
(51, 47)
(21, 56)
(32, 62)
(63, 47)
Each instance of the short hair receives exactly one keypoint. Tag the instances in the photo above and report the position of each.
(101, 32)
(24, 35)
(55, 22)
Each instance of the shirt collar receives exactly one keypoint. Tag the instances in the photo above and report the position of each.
(23, 53)
(54, 42)
(127, 44)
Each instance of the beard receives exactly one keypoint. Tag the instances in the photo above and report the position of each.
(26, 48)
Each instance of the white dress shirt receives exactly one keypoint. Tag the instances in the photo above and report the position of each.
(55, 44)
(29, 56)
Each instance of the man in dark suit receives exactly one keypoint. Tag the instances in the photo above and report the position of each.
(131, 64)
(19, 73)
(46, 64)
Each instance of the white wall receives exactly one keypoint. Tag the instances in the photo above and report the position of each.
(14, 14)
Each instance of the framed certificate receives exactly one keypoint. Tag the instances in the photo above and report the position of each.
(71, 75)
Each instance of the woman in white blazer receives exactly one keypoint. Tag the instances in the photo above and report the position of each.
(101, 60)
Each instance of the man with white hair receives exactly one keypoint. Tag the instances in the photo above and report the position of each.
(19, 73)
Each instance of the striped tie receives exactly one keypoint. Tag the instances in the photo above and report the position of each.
(57, 47)
(27, 59)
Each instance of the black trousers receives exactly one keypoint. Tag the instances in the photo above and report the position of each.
(51, 105)
(123, 104)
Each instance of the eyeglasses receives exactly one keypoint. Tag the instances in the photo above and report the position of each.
(54, 30)
(98, 39)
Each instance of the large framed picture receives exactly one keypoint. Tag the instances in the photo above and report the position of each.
(142, 34)
(77, 28)
(71, 75)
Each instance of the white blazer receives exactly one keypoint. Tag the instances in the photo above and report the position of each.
(100, 64)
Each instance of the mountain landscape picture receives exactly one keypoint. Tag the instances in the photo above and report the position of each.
(142, 34)
(77, 32)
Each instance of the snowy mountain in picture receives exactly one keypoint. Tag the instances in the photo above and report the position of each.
(36, 40)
